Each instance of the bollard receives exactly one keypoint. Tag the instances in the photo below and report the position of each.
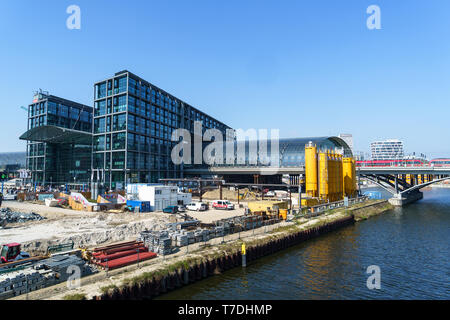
(244, 258)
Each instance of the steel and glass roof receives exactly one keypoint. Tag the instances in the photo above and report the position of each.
(54, 134)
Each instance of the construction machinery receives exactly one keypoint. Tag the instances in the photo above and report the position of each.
(12, 252)
(12, 256)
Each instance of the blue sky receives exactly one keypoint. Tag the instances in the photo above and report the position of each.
(309, 68)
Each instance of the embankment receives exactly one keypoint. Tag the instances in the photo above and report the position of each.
(164, 274)
(369, 210)
(152, 284)
(179, 274)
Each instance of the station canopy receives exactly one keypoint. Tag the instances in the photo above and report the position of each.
(54, 134)
(291, 151)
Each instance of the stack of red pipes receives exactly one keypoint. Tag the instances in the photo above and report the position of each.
(121, 254)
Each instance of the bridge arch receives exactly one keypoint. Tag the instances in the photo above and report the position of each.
(384, 182)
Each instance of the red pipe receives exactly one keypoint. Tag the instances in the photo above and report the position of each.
(103, 257)
(124, 261)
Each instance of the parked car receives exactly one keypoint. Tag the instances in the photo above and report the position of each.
(171, 209)
(270, 194)
(181, 209)
(223, 204)
(196, 206)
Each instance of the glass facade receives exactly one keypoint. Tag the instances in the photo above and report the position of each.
(59, 163)
(132, 128)
(387, 150)
(291, 152)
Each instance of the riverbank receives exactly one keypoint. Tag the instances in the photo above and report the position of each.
(200, 261)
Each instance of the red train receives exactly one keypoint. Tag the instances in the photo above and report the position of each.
(392, 163)
(440, 162)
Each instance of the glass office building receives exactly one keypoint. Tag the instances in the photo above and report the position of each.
(387, 150)
(59, 136)
(133, 123)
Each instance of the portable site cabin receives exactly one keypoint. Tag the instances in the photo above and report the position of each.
(160, 196)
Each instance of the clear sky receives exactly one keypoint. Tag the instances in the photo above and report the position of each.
(309, 68)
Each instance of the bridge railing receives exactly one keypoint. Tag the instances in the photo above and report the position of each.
(320, 209)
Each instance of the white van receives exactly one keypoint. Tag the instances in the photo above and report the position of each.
(196, 206)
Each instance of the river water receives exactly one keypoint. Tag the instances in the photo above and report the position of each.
(410, 245)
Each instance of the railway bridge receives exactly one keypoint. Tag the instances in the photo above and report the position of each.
(403, 182)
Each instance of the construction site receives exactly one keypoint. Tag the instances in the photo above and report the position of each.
(53, 232)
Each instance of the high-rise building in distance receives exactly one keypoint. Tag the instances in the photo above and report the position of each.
(391, 149)
(348, 138)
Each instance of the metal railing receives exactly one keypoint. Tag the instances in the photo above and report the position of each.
(314, 211)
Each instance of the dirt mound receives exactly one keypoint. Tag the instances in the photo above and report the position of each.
(227, 194)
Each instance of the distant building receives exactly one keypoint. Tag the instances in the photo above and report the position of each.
(348, 138)
(390, 149)
(13, 159)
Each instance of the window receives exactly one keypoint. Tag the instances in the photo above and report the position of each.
(99, 125)
(108, 142)
(52, 108)
(118, 141)
(131, 122)
(108, 161)
(121, 84)
(64, 111)
(109, 105)
(131, 104)
(100, 108)
(108, 124)
(120, 103)
(118, 160)
(119, 122)
(109, 87)
(132, 160)
(131, 142)
(98, 160)
(99, 143)
(100, 90)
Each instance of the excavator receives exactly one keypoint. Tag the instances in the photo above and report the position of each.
(11, 255)
(11, 252)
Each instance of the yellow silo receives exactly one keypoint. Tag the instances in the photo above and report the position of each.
(340, 178)
(331, 176)
(323, 176)
(347, 176)
(311, 170)
(354, 182)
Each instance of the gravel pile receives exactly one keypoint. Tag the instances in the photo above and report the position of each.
(9, 216)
